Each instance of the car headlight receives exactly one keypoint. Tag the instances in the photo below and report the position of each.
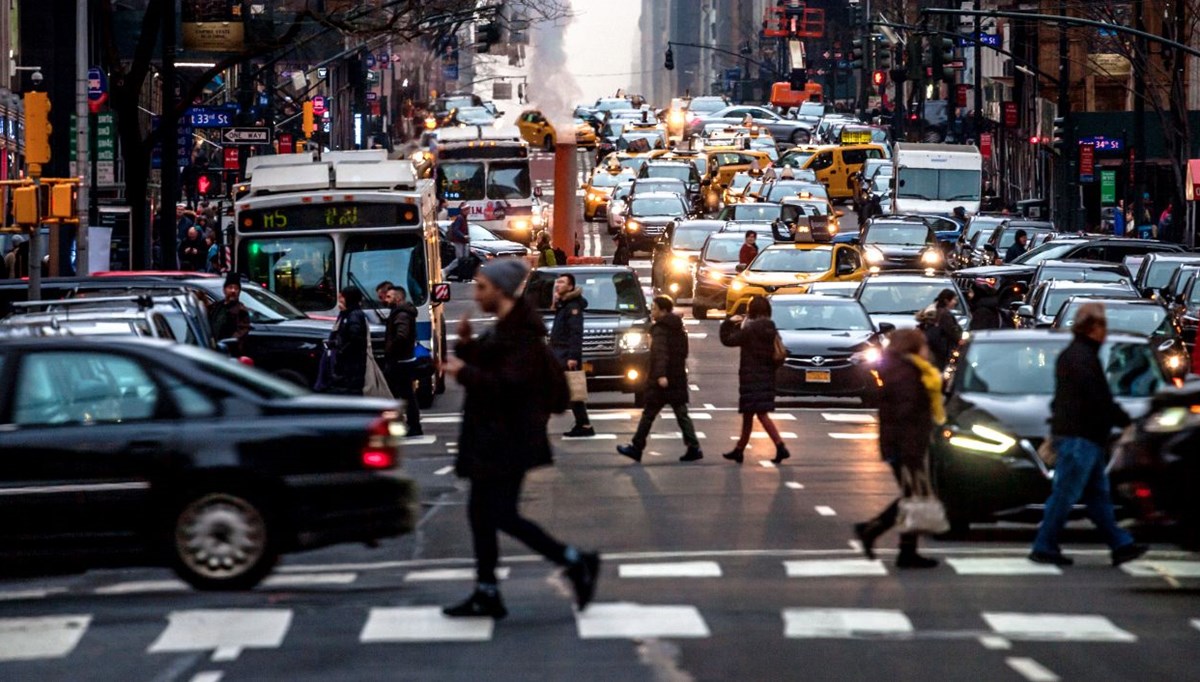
(631, 341)
(931, 257)
(632, 226)
(676, 119)
(867, 356)
(681, 264)
(520, 224)
(1174, 361)
(983, 439)
(873, 255)
(1172, 419)
(737, 285)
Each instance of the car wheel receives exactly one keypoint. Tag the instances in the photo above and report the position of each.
(639, 399)
(548, 144)
(699, 312)
(223, 541)
(800, 137)
(425, 393)
(293, 377)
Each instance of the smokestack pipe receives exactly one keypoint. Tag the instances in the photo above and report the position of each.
(566, 205)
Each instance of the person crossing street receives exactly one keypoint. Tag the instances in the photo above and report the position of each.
(566, 342)
(400, 340)
(756, 336)
(667, 382)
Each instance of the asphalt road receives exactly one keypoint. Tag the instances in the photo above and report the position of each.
(712, 571)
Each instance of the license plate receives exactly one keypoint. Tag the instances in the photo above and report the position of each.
(587, 367)
(817, 376)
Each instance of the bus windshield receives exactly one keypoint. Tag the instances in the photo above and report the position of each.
(368, 260)
(300, 269)
(509, 180)
(461, 180)
(932, 184)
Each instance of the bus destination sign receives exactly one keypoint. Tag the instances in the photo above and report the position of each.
(329, 216)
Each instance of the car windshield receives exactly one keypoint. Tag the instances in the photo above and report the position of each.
(812, 208)
(368, 260)
(646, 185)
(790, 259)
(1161, 271)
(894, 298)
(752, 213)
(606, 292)
(812, 315)
(1055, 298)
(782, 190)
(458, 102)
(978, 225)
(706, 105)
(1147, 320)
(727, 250)
(683, 173)
(475, 115)
(657, 206)
(605, 179)
(881, 183)
(634, 163)
(1026, 367)
(906, 234)
(1047, 251)
(299, 269)
(461, 180)
(690, 238)
(1075, 273)
(1008, 236)
(812, 109)
(478, 233)
(795, 159)
(944, 185)
(257, 381)
(267, 307)
(739, 181)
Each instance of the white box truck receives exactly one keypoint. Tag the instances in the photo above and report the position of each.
(934, 179)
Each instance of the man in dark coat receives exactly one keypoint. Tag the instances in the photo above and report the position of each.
(507, 374)
(667, 383)
(228, 318)
(192, 251)
(400, 340)
(566, 342)
(349, 342)
(1082, 417)
(1017, 248)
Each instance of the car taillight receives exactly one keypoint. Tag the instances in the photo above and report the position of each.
(382, 448)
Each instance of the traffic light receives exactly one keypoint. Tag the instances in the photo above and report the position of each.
(208, 183)
(914, 61)
(306, 119)
(64, 197)
(26, 206)
(856, 14)
(669, 63)
(857, 53)
(37, 131)
(486, 35)
(878, 78)
(1058, 139)
(883, 57)
(943, 53)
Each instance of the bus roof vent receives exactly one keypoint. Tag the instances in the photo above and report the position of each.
(270, 160)
(297, 178)
(356, 155)
(382, 174)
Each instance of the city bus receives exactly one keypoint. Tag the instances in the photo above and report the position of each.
(307, 228)
(484, 171)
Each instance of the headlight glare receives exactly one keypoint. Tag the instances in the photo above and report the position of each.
(632, 340)
(873, 255)
(931, 257)
(681, 264)
(737, 285)
(1172, 419)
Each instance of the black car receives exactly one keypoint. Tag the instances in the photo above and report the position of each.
(673, 268)
(684, 171)
(1080, 271)
(984, 459)
(895, 299)
(717, 266)
(900, 243)
(647, 218)
(832, 345)
(1005, 235)
(1185, 306)
(134, 452)
(1050, 297)
(1157, 268)
(616, 324)
(485, 244)
(1140, 317)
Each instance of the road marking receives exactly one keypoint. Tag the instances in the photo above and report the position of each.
(1196, 623)
(693, 387)
(699, 415)
(834, 567)
(31, 639)
(224, 631)
(143, 586)
(655, 453)
(676, 435)
(691, 321)
(995, 643)
(308, 579)
(610, 416)
(1055, 627)
(625, 620)
(1031, 669)
(1001, 566)
(681, 569)
(782, 417)
(794, 485)
(855, 436)
(697, 335)
(1162, 569)
(419, 440)
(849, 417)
(825, 511)
(709, 406)
(763, 434)
(766, 464)
(20, 595)
(845, 623)
(208, 676)
(442, 419)
(598, 436)
(444, 470)
(451, 574)
(423, 624)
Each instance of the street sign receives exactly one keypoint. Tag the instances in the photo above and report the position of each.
(318, 104)
(372, 96)
(231, 158)
(1010, 114)
(211, 117)
(956, 65)
(370, 62)
(1087, 163)
(1104, 144)
(960, 99)
(1108, 186)
(246, 135)
(285, 143)
(106, 149)
(97, 84)
(985, 145)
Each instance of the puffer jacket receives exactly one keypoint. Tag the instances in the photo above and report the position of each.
(756, 370)
(668, 358)
(566, 336)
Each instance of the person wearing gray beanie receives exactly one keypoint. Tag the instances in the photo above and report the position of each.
(508, 274)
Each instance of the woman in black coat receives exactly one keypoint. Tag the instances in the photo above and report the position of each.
(349, 342)
(756, 374)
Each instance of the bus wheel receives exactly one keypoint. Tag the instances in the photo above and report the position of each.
(425, 393)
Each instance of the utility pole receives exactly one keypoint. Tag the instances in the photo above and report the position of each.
(84, 124)
(978, 86)
(1066, 202)
(1140, 62)
(168, 127)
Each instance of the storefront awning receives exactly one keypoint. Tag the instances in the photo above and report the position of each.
(1193, 179)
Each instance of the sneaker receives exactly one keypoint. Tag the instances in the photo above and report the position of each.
(583, 575)
(580, 432)
(866, 538)
(692, 455)
(479, 605)
(737, 455)
(781, 453)
(1127, 553)
(914, 560)
(1059, 559)
(631, 452)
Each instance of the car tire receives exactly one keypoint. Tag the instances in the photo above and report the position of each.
(699, 312)
(293, 377)
(425, 392)
(548, 144)
(801, 137)
(223, 540)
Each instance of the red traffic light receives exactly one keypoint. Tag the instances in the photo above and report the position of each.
(204, 184)
(1034, 140)
(208, 183)
(879, 78)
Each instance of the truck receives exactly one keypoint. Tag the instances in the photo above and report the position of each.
(935, 179)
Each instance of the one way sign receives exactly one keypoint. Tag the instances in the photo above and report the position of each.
(246, 135)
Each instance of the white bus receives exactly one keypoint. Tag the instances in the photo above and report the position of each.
(306, 229)
(485, 171)
(934, 179)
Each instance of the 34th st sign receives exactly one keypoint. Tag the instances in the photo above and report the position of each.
(246, 135)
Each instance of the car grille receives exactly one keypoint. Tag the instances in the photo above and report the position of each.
(827, 361)
(599, 341)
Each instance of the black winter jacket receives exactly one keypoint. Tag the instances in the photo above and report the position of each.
(668, 358)
(943, 334)
(349, 339)
(566, 336)
(905, 415)
(1083, 403)
(505, 410)
(400, 339)
(756, 371)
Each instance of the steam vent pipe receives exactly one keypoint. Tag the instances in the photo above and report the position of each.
(566, 204)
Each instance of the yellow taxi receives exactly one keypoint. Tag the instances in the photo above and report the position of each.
(722, 163)
(599, 187)
(788, 268)
(537, 130)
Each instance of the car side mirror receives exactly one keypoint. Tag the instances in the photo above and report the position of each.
(740, 267)
(1015, 305)
(845, 269)
(886, 327)
(1025, 311)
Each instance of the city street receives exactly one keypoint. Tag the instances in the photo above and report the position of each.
(711, 571)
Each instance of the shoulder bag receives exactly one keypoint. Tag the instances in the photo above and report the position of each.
(375, 383)
(920, 510)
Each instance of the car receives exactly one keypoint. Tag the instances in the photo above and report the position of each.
(796, 157)
(132, 316)
(863, 181)
(900, 243)
(599, 188)
(616, 324)
(1140, 317)
(788, 130)
(721, 165)
(832, 347)
(762, 212)
(716, 268)
(648, 215)
(210, 467)
(840, 289)
(778, 190)
(1005, 235)
(1155, 468)
(812, 112)
(539, 132)
(1185, 306)
(1156, 270)
(1050, 296)
(474, 116)
(817, 211)
(673, 267)
(742, 188)
(980, 223)
(785, 268)
(683, 171)
(643, 186)
(614, 214)
(485, 244)
(1111, 249)
(896, 298)
(1176, 284)
(823, 134)
(1079, 271)
(984, 461)
(835, 165)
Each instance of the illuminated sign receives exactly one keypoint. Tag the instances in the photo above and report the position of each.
(329, 216)
(1104, 144)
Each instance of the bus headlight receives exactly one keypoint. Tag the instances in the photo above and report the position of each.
(519, 224)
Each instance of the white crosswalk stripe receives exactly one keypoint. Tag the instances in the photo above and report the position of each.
(681, 569)
(225, 632)
(1162, 569)
(423, 624)
(29, 639)
(1001, 566)
(844, 623)
(834, 568)
(451, 574)
(636, 621)
(1056, 627)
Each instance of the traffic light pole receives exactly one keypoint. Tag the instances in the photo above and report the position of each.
(169, 184)
(87, 196)
(1066, 200)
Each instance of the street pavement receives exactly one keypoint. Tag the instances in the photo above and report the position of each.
(712, 571)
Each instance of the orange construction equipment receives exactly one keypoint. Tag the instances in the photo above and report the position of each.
(797, 21)
(782, 94)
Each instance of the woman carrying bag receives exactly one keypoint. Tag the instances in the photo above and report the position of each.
(910, 406)
(758, 339)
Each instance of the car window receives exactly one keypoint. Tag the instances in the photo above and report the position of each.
(854, 156)
(61, 388)
(848, 257)
(821, 162)
(189, 401)
(811, 316)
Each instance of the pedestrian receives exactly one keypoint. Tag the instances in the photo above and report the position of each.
(349, 343)
(1082, 417)
(210, 252)
(910, 406)
(1018, 247)
(400, 343)
(383, 292)
(546, 256)
(755, 334)
(186, 221)
(229, 318)
(192, 251)
(1165, 223)
(941, 329)
(459, 234)
(506, 373)
(566, 343)
(749, 250)
(16, 261)
(667, 383)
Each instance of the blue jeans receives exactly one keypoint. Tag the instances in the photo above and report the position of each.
(1079, 475)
